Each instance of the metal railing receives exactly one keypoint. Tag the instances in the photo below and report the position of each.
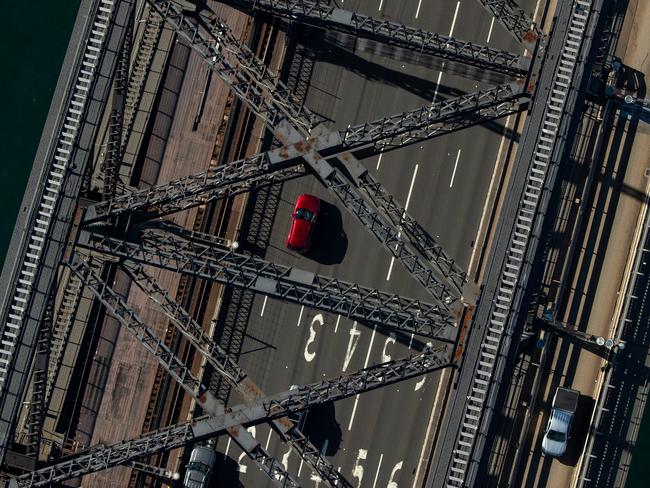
(511, 271)
(53, 178)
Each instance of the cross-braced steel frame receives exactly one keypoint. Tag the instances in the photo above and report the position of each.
(332, 156)
(252, 413)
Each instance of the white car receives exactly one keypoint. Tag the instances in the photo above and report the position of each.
(199, 469)
(557, 431)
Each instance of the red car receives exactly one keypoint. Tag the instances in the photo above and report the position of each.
(303, 221)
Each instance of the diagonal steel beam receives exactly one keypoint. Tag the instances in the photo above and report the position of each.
(127, 317)
(232, 372)
(263, 410)
(281, 164)
(389, 32)
(236, 65)
(515, 20)
(210, 261)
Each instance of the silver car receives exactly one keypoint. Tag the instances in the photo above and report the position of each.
(199, 469)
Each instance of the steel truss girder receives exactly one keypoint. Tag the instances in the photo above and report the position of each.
(190, 191)
(212, 262)
(231, 371)
(253, 413)
(389, 32)
(119, 309)
(282, 164)
(237, 65)
(515, 20)
(438, 118)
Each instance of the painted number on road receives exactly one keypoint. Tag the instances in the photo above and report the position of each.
(352, 345)
(357, 471)
(318, 319)
(391, 483)
(243, 467)
(385, 357)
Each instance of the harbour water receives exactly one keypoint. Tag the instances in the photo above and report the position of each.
(33, 42)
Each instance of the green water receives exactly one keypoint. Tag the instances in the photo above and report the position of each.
(33, 41)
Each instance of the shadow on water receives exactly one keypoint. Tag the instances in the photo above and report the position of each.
(330, 241)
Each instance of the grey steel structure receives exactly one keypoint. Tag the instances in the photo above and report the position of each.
(332, 157)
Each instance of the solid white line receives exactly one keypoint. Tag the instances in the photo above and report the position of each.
(379, 161)
(268, 440)
(302, 309)
(485, 206)
(406, 206)
(490, 31)
(365, 365)
(300, 467)
(336, 327)
(374, 484)
(411, 341)
(453, 22)
(417, 12)
(435, 93)
(372, 339)
(390, 268)
(354, 410)
(381, 4)
(453, 175)
(408, 197)
(263, 306)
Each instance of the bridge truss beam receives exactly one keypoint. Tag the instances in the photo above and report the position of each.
(515, 20)
(389, 32)
(228, 368)
(263, 410)
(129, 319)
(210, 261)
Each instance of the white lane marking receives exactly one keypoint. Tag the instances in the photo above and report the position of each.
(453, 22)
(411, 341)
(417, 12)
(381, 4)
(314, 477)
(381, 457)
(268, 440)
(420, 383)
(453, 175)
(354, 411)
(336, 326)
(285, 459)
(379, 161)
(365, 365)
(490, 31)
(300, 466)
(408, 197)
(318, 319)
(225, 454)
(435, 93)
(302, 309)
(534, 17)
(263, 306)
(406, 206)
(485, 206)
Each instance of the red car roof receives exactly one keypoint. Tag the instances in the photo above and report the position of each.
(300, 232)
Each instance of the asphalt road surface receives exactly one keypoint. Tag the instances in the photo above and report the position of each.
(376, 438)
